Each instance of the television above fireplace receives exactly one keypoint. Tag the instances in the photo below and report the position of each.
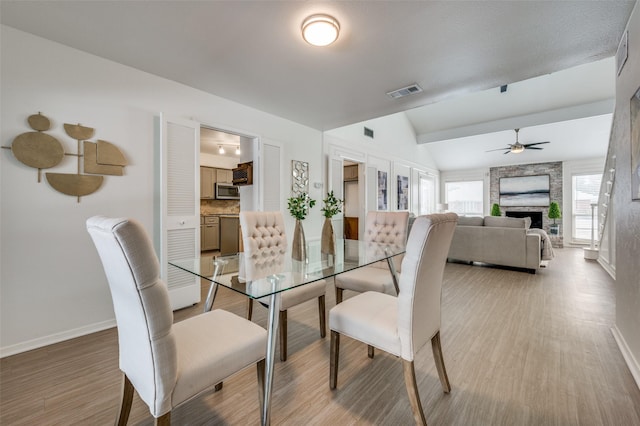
(536, 217)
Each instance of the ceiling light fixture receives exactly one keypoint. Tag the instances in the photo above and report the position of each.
(220, 150)
(320, 30)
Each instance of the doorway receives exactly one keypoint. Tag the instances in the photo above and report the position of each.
(351, 191)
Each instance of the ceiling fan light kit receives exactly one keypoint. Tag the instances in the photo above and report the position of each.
(518, 147)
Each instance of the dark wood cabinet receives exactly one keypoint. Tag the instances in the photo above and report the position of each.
(351, 228)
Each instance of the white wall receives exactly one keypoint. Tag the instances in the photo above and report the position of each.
(52, 286)
(393, 149)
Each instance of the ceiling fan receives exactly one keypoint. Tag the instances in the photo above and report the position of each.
(518, 147)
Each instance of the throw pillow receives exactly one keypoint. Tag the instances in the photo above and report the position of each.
(504, 222)
(470, 220)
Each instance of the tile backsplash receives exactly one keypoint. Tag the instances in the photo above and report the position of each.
(219, 206)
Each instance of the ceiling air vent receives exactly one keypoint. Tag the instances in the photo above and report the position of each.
(405, 91)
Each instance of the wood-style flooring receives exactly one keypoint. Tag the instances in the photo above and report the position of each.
(520, 349)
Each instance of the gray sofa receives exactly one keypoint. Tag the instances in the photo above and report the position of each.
(496, 240)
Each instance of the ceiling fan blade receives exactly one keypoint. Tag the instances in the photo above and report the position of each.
(508, 152)
(527, 145)
(499, 149)
(530, 147)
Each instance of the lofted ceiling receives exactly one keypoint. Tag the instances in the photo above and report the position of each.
(251, 52)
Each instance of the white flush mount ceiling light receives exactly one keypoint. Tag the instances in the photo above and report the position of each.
(320, 30)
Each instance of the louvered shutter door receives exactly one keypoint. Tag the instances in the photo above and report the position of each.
(180, 205)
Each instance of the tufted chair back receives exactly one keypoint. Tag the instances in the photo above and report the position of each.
(148, 354)
(387, 228)
(265, 243)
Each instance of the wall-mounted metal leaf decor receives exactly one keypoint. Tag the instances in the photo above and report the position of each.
(37, 149)
(43, 151)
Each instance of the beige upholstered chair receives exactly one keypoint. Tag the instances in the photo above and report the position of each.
(166, 363)
(380, 227)
(265, 244)
(402, 325)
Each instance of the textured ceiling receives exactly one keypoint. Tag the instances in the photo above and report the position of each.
(251, 51)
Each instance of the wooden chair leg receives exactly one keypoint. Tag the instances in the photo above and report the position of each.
(334, 354)
(412, 390)
(260, 369)
(339, 295)
(218, 387)
(323, 316)
(437, 356)
(370, 351)
(249, 308)
(283, 335)
(164, 420)
(126, 400)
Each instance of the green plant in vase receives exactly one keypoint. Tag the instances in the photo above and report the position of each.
(495, 210)
(332, 206)
(299, 208)
(554, 213)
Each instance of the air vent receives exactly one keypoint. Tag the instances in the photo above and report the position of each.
(405, 91)
(368, 132)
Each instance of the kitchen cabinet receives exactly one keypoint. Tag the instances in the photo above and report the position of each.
(229, 234)
(351, 172)
(224, 176)
(351, 228)
(211, 233)
(207, 183)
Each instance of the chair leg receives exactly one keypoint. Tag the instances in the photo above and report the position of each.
(338, 295)
(164, 420)
(437, 356)
(334, 354)
(260, 371)
(283, 336)
(323, 316)
(126, 400)
(412, 390)
(370, 351)
(249, 308)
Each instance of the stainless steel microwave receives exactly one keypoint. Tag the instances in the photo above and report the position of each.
(226, 191)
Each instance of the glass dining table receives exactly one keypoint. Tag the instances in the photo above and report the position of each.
(268, 276)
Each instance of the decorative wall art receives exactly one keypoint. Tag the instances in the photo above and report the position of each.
(299, 178)
(635, 146)
(382, 190)
(403, 192)
(524, 191)
(43, 151)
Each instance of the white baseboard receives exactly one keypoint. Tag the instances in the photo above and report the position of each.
(607, 267)
(632, 363)
(55, 338)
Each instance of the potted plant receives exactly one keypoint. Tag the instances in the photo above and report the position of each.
(495, 210)
(554, 213)
(332, 206)
(299, 208)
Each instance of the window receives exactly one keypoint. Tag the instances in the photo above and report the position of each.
(465, 197)
(586, 189)
(427, 195)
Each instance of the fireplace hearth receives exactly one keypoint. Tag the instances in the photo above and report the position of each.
(536, 217)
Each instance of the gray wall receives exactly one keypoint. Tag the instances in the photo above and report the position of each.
(627, 212)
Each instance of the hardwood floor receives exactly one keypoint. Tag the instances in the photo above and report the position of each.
(520, 349)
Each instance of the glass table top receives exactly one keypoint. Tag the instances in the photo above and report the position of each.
(271, 272)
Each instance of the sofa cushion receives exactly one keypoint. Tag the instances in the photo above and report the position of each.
(506, 222)
(470, 220)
